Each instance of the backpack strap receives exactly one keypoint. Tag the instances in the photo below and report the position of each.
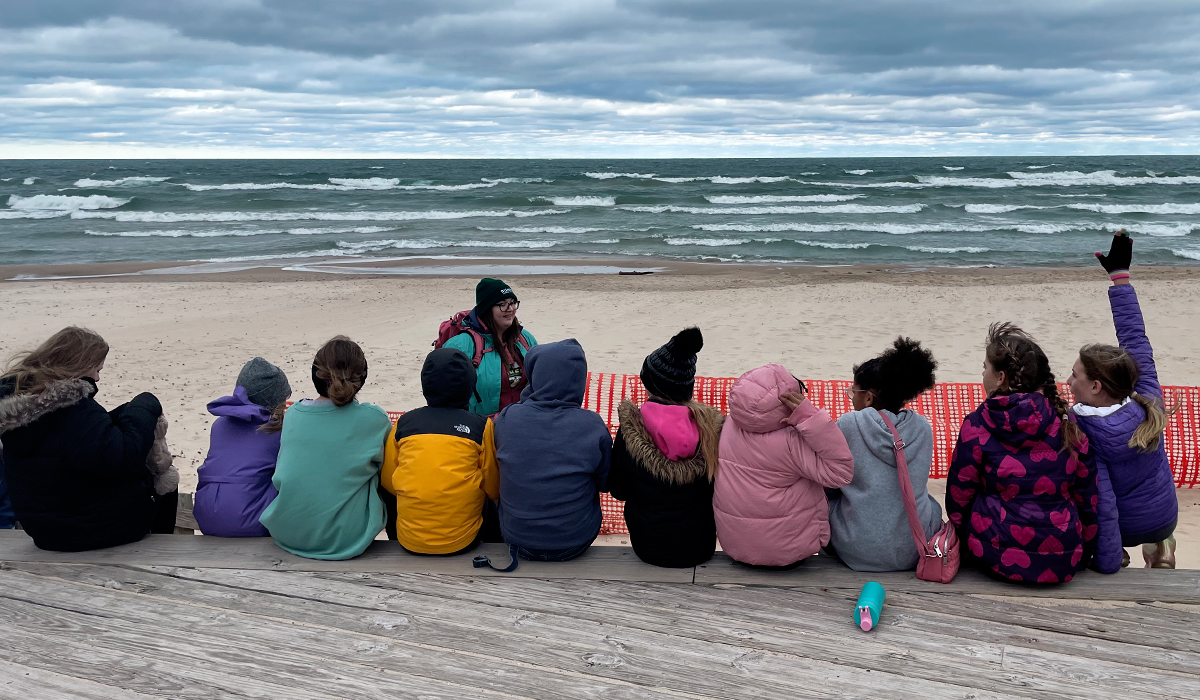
(906, 489)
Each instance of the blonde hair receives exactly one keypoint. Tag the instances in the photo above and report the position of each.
(1118, 374)
(342, 366)
(710, 436)
(71, 353)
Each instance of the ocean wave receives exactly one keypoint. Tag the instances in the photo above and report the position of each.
(1078, 195)
(1188, 254)
(1039, 167)
(516, 180)
(360, 247)
(561, 230)
(121, 182)
(829, 209)
(605, 241)
(952, 168)
(963, 249)
(709, 242)
(715, 179)
(835, 246)
(1168, 208)
(218, 216)
(31, 180)
(64, 203)
(857, 172)
(1100, 178)
(181, 233)
(997, 208)
(772, 198)
(339, 184)
(583, 201)
(1159, 230)
(324, 231)
(871, 227)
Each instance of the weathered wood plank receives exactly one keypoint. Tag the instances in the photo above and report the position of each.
(185, 520)
(261, 553)
(230, 649)
(1179, 586)
(27, 683)
(825, 635)
(708, 669)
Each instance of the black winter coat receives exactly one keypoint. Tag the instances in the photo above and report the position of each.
(668, 505)
(76, 473)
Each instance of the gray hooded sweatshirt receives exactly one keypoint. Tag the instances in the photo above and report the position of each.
(868, 525)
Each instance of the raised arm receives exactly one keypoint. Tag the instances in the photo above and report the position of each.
(1127, 314)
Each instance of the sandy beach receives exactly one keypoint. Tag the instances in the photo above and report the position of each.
(184, 336)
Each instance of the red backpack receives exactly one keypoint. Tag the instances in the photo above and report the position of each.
(458, 324)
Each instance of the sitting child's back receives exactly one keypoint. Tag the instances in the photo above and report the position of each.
(441, 461)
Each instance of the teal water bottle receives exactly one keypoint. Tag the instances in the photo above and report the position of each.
(869, 606)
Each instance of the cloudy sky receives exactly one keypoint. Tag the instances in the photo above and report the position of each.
(637, 78)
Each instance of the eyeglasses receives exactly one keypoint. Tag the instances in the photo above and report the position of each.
(851, 391)
(510, 305)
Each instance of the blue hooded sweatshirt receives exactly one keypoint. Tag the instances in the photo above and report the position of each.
(553, 455)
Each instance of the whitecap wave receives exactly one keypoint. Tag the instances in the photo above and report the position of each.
(516, 180)
(611, 176)
(181, 233)
(339, 184)
(31, 180)
(835, 246)
(1187, 254)
(582, 201)
(561, 230)
(932, 249)
(708, 242)
(715, 179)
(1168, 208)
(1159, 230)
(864, 227)
(857, 172)
(952, 167)
(220, 216)
(1100, 178)
(120, 182)
(828, 209)
(323, 231)
(776, 198)
(64, 203)
(998, 208)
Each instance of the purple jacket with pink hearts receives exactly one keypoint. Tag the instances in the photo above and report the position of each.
(1024, 507)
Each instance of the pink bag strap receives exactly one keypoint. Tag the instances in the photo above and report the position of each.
(906, 489)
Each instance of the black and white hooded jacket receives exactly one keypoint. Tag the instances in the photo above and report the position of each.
(77, 474)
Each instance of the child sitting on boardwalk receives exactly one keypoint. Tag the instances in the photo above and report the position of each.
(330, 452)
(553, 457)
(77, 474)
(868, 524)
(234, 483)
(664, 460)
(1022, 484)
(1119, 405)
(441, 463)
(777, 452)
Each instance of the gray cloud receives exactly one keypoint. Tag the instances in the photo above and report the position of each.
(650, 77)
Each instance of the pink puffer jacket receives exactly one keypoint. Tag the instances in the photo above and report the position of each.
(769, 502)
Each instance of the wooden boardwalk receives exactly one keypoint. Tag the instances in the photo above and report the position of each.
(199, 617)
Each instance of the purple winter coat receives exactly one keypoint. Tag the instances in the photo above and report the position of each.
(1024, 508)
(235, 479)
(1137, 490)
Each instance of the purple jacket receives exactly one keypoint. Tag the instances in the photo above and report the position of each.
(235, 479)
(1137, 490)
(1024, 508)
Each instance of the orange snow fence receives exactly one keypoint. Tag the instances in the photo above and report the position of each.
(945, 406)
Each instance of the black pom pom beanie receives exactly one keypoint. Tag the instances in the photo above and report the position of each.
(670, 371)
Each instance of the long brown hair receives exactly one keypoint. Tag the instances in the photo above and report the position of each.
(341, 365)
(1027, 370)
(71, 353)
(1118, 374)
(507, 344)
(274, 424)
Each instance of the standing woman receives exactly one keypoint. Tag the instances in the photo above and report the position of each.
(1119, 404)
(493, 337)
(78, 474)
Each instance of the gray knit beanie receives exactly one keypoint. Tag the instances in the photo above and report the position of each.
(265, 384)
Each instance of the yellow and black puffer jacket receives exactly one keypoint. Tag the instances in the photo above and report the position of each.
(440, 461)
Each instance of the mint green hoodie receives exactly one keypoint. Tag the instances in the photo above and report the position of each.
(327, 476)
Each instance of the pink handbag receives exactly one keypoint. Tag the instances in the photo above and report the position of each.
(938, 558)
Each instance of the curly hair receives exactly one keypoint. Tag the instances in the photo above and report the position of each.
(897, 376)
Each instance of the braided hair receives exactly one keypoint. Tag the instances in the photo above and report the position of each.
(1027, 370)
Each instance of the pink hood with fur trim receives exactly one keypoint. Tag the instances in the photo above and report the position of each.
(769, 502)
